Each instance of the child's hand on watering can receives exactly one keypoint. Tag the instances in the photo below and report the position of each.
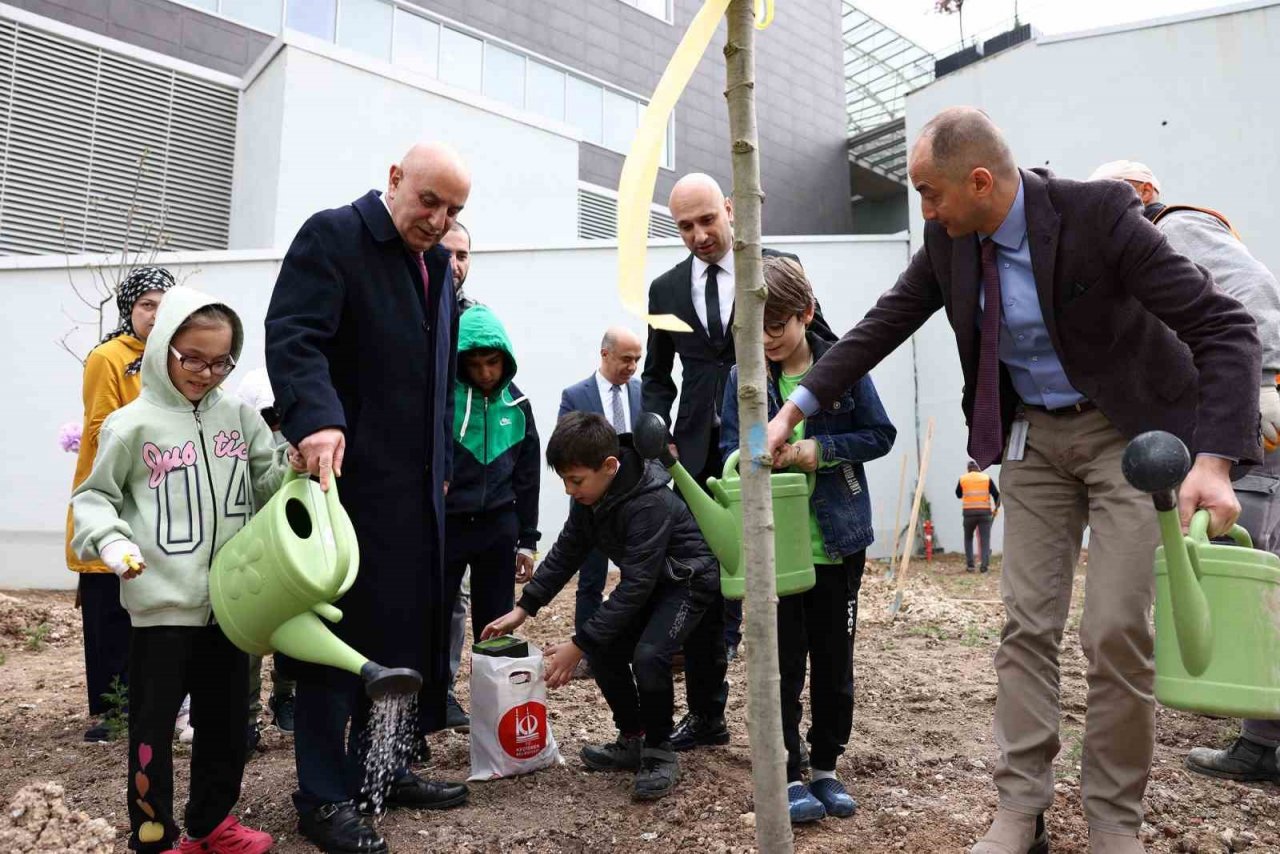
(559, 662)
(506, 624)
(524, 566)
(806, 455)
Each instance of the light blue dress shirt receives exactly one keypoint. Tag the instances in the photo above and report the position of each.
(1025, 347)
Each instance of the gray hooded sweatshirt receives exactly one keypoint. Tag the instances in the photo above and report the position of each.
(177, 479)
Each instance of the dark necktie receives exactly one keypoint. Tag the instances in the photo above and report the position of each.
(426, 277)
(619, 419)
(986, 434)
(715, 328)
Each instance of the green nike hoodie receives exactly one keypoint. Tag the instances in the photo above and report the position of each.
(177, 479)
(495, 451)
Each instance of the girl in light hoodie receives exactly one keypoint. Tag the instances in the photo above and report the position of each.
(178, 472)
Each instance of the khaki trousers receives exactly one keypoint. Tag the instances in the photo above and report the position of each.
(1070, 477)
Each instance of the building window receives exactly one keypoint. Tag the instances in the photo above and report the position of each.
(584, 109)
(252, 13)
(314, 17)
(365, 27)
(504, 75)
(660, 9)
(461, 60)
(544, 91)
(416, 43)
(388, 30)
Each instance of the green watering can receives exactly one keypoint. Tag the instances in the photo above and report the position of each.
(1217, 605)
(274, 579)
(719, 515)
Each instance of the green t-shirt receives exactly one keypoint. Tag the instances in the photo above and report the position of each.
(786, 385)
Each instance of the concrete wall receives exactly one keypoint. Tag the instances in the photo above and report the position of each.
(524, 170)
(799, 92)
(1185, 95)
(168, 28)
(555, 302)
(1193, 97)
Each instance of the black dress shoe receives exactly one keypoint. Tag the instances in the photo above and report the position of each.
(416, 793)
(694, 730)
(339, 828)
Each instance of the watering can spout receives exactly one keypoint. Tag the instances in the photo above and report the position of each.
(306, 638)
(1155, 463)
(718, 524)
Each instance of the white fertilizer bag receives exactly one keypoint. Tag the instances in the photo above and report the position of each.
(510, 734)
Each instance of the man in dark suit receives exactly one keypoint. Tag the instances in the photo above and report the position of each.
(360, 350)
(1077, 327)
(613, 391)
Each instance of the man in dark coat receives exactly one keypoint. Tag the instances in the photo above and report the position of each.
(360, 350)
(1077, 327)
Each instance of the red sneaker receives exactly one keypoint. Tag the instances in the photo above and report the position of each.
(230, 837)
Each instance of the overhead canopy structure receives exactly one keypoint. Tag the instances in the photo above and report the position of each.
(880, 68)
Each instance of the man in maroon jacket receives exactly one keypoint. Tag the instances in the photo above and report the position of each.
(1100, 331)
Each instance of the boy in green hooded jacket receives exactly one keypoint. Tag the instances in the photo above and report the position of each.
(491, 521)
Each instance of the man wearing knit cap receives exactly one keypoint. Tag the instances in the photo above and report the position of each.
(1207, 238)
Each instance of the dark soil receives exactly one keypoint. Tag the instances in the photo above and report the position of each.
(919, 763)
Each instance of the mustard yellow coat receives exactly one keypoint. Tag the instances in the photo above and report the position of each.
(106, 389)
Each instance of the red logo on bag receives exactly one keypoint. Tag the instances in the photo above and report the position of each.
(523, 730)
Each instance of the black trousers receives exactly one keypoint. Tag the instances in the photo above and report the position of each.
(591, 581)
(328, 754)
(106, 636)
(634, 670)
(817, 627)
(487, 543)
(165, 664)
(981, 522)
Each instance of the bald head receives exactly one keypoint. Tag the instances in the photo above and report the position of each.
(961, 139)
(703, 215)
(619, 354)
(964, 172)
(426, 191)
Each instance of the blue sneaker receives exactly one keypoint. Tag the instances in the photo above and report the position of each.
(803, 805)
(832, 795)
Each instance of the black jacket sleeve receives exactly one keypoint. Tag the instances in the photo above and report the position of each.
(525, 480)
(960, 489)
(995, 493)
(302, 322)
(658, 389)
(565, 558)
(646, 542)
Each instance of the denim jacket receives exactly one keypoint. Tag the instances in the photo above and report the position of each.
(852, 431)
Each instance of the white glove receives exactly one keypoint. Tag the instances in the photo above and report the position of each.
(1269, 406)
(117, 555)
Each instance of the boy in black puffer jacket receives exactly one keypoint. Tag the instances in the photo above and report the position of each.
(622, 507)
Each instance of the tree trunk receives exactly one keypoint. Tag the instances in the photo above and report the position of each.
(764, 715)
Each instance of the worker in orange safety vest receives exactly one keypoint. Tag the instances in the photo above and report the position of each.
(981, 501)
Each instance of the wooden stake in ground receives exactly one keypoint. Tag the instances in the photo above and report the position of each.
(897, 516)
(764, 709)
(909, 546)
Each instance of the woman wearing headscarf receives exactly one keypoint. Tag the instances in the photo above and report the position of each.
(112, 378)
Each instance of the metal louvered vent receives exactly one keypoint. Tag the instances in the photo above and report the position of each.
(598, 218)
(96, 146)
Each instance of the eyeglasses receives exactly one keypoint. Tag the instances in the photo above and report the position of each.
(221, 367)
(774, 328)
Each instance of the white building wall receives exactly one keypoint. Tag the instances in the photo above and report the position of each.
(555, 302)
(1193, 97)
(339, 121)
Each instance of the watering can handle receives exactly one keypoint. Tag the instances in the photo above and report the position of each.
(1198, 530)
(333, 508)
(731, 468)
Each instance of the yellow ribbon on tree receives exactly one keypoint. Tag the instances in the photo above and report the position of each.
(640, 170)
